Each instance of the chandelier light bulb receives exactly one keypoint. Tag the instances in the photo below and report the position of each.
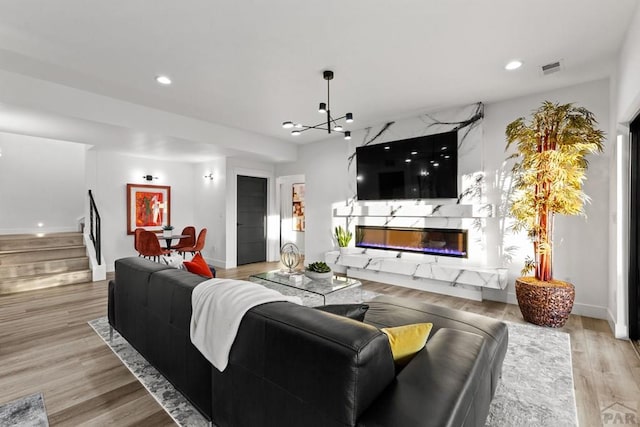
(348, 118)
(347, 135)
(287, 125)
(298, 126)
(295, 132)
(337, 128)
(322, 108)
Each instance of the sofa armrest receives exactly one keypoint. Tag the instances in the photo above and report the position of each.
(448, 383)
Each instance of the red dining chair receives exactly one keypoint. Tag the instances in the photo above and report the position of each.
(186, 242)
(198, 247)
(149, 246)
(136, 239)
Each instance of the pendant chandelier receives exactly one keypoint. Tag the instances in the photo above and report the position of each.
(331, 125)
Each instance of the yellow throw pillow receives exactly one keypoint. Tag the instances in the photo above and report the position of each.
(407, 340)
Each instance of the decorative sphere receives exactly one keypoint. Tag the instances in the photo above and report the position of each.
(290, 256)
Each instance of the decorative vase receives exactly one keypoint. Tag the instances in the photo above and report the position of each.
(545, 303)
(167, 233)
(314, 275)
(344, 250)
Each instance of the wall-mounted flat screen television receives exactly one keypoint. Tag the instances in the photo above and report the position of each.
(425, 167)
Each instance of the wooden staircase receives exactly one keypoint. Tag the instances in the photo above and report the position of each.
(30, 262)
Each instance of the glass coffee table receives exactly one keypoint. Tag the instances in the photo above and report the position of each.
(337, 290)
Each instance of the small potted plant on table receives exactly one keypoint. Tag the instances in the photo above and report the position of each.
(548, 178)
(318, 271)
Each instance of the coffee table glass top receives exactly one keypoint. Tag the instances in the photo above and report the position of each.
(320, 287)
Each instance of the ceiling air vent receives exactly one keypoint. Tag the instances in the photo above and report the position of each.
(551, 68)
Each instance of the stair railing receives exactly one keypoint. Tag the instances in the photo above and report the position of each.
(95, 228)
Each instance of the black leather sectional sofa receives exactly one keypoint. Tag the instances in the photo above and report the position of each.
(297, 366)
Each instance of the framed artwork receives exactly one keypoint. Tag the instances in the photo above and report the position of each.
(298, 207)
(148, 207)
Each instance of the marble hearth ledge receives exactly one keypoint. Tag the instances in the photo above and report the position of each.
(406, 272)
(416, 210)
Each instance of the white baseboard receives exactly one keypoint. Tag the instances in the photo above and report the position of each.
(620, 330)
(217, 263)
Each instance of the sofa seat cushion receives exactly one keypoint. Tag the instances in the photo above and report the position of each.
(385, 311)
(446, 384)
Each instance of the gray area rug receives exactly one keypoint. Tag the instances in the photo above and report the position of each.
(537, 380)
(28, 411)
(536, 387)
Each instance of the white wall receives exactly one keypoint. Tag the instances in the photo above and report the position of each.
(112, 174)
(628, 96)
(210, 208)
(581, 246)
(41, 181)
(324, 165)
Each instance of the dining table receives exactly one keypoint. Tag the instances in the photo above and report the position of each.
(170, 239)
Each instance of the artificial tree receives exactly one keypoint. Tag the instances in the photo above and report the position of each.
(551, 150)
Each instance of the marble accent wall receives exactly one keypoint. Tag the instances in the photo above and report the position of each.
(469, 211)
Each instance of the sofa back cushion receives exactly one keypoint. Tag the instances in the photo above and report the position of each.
(304, 366)
(150, 305)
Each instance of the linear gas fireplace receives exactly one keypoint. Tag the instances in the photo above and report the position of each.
(432, 241)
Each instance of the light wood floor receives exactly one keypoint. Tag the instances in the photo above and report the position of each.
(47, 346)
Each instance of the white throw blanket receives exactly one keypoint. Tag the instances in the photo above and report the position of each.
(218, 308)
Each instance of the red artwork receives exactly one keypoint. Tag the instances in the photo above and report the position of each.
(148, 207)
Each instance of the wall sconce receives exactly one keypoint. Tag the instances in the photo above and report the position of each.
(149, 177)
(210, 176)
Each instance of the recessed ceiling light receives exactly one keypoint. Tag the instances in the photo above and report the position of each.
(163, 80)
(513, 65)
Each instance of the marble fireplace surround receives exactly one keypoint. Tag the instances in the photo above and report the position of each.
(460, 277)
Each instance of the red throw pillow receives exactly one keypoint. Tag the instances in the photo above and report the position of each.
(198, 266)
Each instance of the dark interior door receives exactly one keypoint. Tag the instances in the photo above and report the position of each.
(634, 233)
(252, 220)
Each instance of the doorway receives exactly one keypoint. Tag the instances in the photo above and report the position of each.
(634, 232)
(252, 220)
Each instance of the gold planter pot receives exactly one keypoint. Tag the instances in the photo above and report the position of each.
(545, 303)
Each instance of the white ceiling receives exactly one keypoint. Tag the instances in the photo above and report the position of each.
(254, 64)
